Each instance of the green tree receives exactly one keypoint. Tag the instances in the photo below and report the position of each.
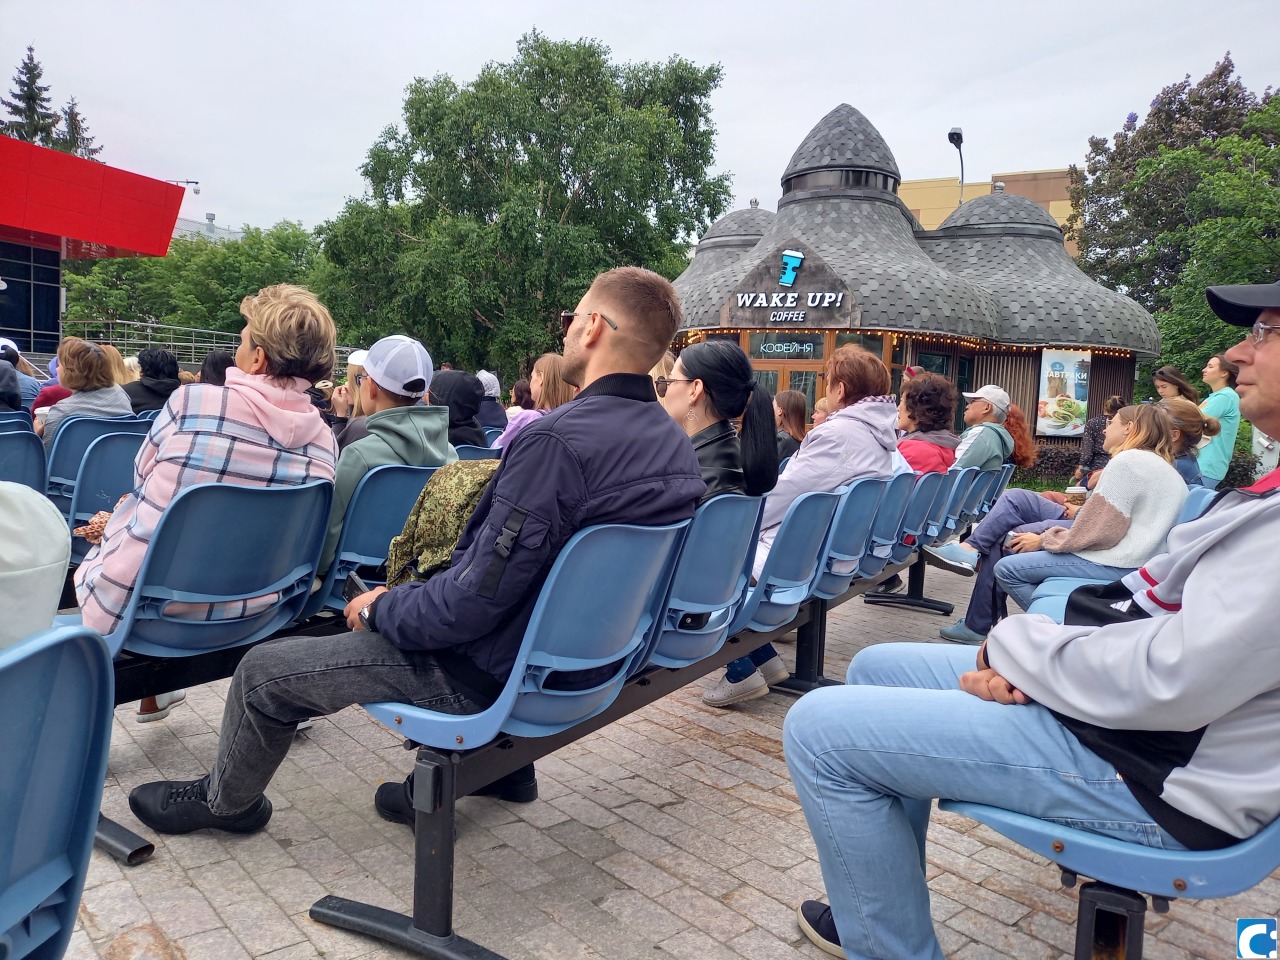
(495, 203)
(34, 120)
(1113, 222)
(1226, 222)
(199, 284)
(73, 135)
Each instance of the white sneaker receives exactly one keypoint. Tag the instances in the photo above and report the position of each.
(774, 671)
(165, 702)
(722, 693)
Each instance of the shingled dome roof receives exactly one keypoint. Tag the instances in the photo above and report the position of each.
(748, 222)
(726, 242)
(999, 209)
(1009, 246)
(843, 139)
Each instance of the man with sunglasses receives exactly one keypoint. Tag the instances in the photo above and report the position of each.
(611, 455)
(1149, 716)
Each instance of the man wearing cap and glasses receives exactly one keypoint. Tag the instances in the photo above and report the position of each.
(400, 429)
(611, 455)
(986, 443)
(1150, 716)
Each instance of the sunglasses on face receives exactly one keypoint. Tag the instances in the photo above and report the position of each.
(566, 319)
(661, 384)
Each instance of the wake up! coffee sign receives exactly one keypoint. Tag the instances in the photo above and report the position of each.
(793, 286)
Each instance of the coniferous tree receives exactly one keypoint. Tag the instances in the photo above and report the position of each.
(74, 136)
(33, 120)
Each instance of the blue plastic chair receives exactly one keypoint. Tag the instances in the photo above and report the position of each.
(886, 528)
(56, 697)
(148, 414)
(377, 511)
(782, 464)
(914, 522)
(469, 452)
(105, 475)
(1198, 499)
(69, 445)
(491, 434)
(850, 537)
(999, 487)
(269, 541)
(790, 569)
(710, 581)
(945, 523)
(971, 508)
(22, 459)
(15, 420)
(571, 629)
(1131, 867)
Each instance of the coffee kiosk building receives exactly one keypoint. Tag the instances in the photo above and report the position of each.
(979, 300)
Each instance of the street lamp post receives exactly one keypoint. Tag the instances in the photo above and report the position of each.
(956, 136)
(194, 184)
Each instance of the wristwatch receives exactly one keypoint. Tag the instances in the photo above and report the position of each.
(366, 618)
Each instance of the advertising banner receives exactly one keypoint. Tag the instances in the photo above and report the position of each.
(1064, 393)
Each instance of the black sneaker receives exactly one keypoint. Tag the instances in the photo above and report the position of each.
(182, 806)
(892, 585)
(518, 786)
(819, 926)
(394, 801)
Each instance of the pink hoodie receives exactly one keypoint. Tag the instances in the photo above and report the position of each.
(254, 431)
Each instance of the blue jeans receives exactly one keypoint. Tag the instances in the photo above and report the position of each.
(1020, 573)
(867, 758)
(1209, 483)
(1012, 509)
(738, 670)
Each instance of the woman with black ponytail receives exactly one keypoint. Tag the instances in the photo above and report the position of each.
(712, 383)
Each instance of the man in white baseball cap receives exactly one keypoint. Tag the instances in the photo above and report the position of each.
(397, 372)
(986, 443)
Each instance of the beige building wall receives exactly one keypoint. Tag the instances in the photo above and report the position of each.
(932, 201)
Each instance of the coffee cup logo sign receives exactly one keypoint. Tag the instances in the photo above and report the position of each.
(791, 286)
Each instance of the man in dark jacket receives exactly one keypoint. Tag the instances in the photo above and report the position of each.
(612, 455)
(159, 379)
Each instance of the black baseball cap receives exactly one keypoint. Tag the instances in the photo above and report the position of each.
(1241, 303)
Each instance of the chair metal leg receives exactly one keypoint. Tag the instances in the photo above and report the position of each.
(914, 597)
(121, 843)
(1109, 924)
(429, 932)
(811, 652)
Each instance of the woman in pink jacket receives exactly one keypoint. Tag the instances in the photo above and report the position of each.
(926, 411)
(259, 430)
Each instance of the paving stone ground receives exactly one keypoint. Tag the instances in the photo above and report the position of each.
(672, 834)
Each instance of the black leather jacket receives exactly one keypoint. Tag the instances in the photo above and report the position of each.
(720, 459)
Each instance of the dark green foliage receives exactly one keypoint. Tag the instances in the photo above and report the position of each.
(1053, 468)
(495, 203)
(33, 118)
(1242, 470)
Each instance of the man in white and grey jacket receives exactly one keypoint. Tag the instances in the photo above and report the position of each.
(1150, 716)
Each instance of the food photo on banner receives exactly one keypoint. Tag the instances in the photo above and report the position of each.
(1064, 393)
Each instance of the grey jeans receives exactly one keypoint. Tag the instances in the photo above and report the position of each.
(281, 683)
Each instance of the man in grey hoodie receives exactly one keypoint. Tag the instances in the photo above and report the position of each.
(397, 373)
(986, 444)
(1149, 716)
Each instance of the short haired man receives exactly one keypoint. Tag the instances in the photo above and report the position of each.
(986, 443)
(612, 455)
(401, 430)
(1223, 404)
(1156, 727)
(159, 380)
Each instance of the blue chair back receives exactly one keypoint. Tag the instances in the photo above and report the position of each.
(106, 475)
(69, 445)
(791, 567)
(782, 464)
(573, 628)
(22, 459)
(14, 420)
(56, 697)
(468, 452)
(1198, 498)
(915, 518)
(1190, 874)
(148, 414)
(710, 581)
(997, 488)
(221, 543)
(976, 496)
(491, 434)
(850, 537)
(378, 508)
(886, 528)
(945, 522)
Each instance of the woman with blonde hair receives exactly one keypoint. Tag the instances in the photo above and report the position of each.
(348, 418)
(119, 372)
(1190, 427)
(83, 369)
(549, 390)
(1123, 523)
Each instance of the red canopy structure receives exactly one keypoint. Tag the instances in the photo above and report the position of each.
(85, 209)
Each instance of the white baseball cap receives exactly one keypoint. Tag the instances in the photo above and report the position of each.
(6, 342)
(993, 395)
(399, 365)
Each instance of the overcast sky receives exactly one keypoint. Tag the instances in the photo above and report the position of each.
(272, 104)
